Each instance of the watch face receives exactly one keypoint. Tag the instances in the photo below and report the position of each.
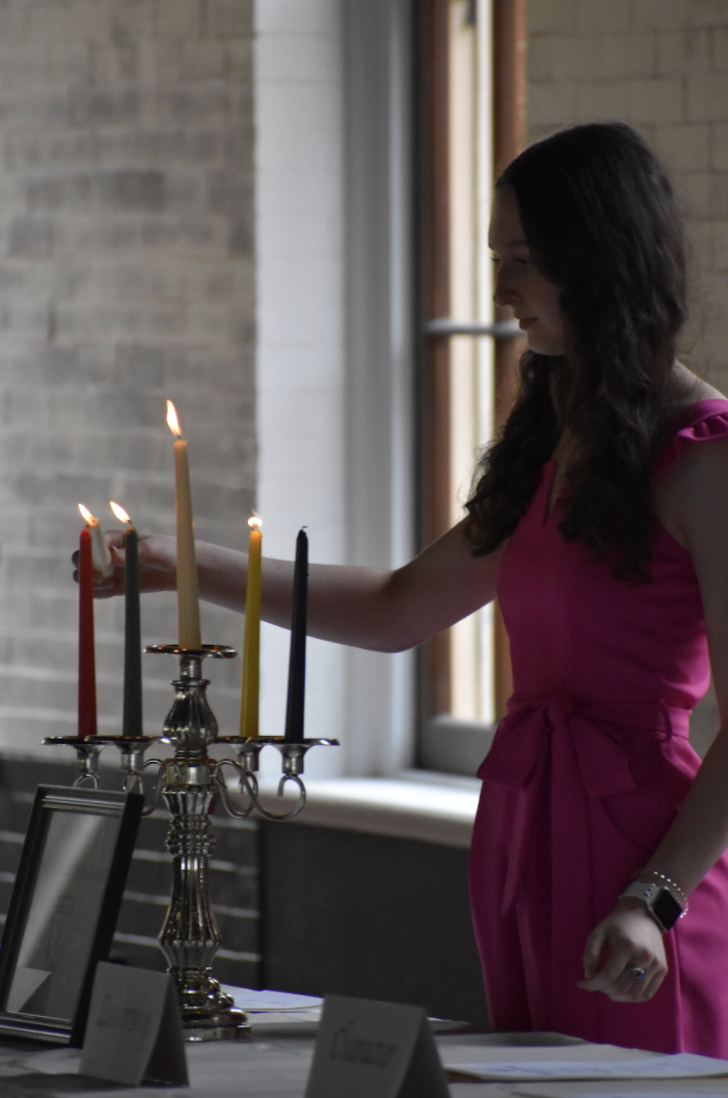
(666, 908)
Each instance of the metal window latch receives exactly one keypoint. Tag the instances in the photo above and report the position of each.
(444, 327)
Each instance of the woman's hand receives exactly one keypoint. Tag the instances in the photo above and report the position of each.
(157, 565)
(628, 936)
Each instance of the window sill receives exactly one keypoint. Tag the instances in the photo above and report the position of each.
(455, 746)
(420, 805)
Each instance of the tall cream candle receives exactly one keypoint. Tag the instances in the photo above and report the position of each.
(188, 603)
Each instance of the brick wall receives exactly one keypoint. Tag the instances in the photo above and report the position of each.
(661, 65)
(126, 276)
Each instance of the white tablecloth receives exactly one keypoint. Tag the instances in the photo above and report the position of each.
(274, 1063)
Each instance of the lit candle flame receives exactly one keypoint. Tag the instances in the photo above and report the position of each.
(172, 421)
(255, 522)
(119, 512)
(86, 514)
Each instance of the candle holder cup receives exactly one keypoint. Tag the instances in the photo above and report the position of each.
(88, 749)
(190, 784)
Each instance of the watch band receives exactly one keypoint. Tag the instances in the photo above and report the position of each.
(664, 908)
(677, 890)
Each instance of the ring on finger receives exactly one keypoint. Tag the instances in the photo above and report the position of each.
(637, 972)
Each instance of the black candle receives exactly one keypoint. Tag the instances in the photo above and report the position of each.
(297, 662)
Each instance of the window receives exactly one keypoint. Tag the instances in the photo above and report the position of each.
(472, 98)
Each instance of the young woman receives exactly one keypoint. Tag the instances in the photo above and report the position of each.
(601, 519)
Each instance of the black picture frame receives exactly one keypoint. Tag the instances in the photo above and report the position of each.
(63, 910)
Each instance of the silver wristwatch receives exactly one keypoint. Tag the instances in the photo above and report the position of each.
(663, 906)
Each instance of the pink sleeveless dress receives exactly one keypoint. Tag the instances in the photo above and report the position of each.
(586, 774)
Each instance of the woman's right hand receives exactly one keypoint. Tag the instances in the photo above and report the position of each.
(157, 565)
(626, 940)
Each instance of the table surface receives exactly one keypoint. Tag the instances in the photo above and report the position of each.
(274, 1062)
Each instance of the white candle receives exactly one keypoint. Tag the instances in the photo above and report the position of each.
(100, 554)
(188, 604)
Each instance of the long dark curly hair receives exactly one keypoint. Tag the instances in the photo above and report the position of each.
(601, 220)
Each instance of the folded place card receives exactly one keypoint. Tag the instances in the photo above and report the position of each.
(367, 1049)
(134, 1030)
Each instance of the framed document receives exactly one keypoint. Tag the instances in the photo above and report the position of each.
(64, 907)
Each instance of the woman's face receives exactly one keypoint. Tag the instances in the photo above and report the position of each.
(534, 300)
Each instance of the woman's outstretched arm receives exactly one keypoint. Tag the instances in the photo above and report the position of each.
(364, 607)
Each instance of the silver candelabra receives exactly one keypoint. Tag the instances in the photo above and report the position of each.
(190, 784)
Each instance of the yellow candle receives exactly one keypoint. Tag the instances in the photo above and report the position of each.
(102, 562)
(188, 603)
(251, 652)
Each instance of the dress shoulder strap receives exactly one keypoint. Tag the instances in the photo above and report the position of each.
(705, 421)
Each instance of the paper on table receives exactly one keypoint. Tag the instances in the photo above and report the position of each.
(681, 1065)
(276, 1001)
(664, 1088)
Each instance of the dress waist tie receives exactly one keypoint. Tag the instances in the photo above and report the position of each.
(518, 757)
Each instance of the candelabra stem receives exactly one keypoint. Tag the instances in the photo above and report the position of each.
(189, 937)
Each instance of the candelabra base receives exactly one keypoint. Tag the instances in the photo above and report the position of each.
(227, 1030)
(208, 1014)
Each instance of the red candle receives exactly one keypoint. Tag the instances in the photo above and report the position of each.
(86, 655)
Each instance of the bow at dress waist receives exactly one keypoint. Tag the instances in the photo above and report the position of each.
(592, 732)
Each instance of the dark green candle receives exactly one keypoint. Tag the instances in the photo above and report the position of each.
(297, 662)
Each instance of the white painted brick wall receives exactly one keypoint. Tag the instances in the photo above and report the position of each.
(661, 65)
(126, 275)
